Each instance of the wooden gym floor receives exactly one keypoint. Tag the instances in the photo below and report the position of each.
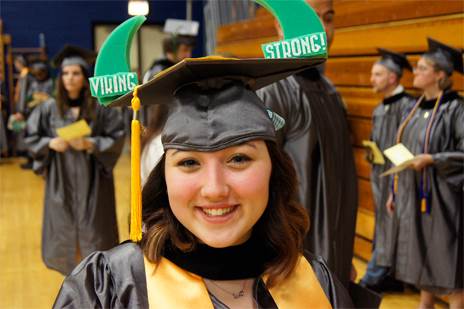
(24, 280)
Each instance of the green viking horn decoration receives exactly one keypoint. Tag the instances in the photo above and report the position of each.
(113, 77)
(304, 37)
(296, 18)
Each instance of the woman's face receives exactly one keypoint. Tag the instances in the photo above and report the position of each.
(425, 75)
(73, 78)
(219, 196)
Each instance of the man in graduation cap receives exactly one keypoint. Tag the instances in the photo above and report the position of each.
(176, 47)
(385, 79)
(428, 196)
(317, 138)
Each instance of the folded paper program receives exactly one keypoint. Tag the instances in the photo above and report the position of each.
(400, 156)
(77, 129)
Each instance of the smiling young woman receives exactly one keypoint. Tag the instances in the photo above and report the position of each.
(222, 226)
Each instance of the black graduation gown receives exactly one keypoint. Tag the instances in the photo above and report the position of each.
(386, 119)
(79, 189)
(116, 279)
(33, 86)
(28, 87)
(430, 247)
(316, 136)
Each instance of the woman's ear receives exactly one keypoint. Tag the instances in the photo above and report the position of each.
(440, 74)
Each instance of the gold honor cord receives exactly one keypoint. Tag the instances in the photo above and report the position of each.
(400, 134)
(424, 184)
(136, 199)
(426, 147)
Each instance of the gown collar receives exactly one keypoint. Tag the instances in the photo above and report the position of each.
(247, 260)
(394, 98)
(448, 96)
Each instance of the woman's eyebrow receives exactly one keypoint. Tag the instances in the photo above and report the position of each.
(251, 144)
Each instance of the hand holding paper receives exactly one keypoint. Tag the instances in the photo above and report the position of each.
(80, 144)
(421, 160)
(58, 144)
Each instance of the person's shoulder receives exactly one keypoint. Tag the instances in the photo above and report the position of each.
(48, 106)
(332, 287)
(127, 253)
(123, 250)
(319, 266)
(121, 256)
(107, 111)
(378, 109)
(454, 102)
(113, 278)
(280, 90)
(273, 86)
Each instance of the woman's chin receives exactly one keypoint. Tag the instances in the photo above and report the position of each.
(216, 241)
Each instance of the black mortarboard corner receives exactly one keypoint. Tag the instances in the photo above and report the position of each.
(212, 103)
(446, 57)
(70, 55)
(395, 62)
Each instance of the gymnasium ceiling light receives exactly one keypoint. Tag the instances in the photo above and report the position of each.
(138, 7)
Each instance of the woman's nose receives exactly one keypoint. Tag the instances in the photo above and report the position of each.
(215, 187)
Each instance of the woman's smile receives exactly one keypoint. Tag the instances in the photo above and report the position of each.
(218, 214)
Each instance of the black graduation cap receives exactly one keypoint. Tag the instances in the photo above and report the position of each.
(212, 103)
(396, 62)
(71, 54)
(36, 62)
(447, 57)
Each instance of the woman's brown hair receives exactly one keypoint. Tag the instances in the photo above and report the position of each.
(283, 224)
(446, 82)
(87, 110)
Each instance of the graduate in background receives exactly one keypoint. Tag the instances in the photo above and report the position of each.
(176, 47)
(38, 88)
(79, 215)
(428, 197)
(317, 138)
(385, 79)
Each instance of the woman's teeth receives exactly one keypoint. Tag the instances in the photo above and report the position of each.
(213, 212)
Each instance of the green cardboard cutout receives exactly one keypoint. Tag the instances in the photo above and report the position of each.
(112, 71)
(296, 18)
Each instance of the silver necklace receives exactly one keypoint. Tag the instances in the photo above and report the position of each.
(235, 295)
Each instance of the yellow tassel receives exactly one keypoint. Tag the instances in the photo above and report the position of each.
(424, 205)
(136, 198)
(395, 183)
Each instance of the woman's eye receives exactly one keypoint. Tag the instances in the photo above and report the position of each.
(239, 159)
(189, 163)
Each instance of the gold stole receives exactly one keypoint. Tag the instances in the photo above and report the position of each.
(169, 286)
